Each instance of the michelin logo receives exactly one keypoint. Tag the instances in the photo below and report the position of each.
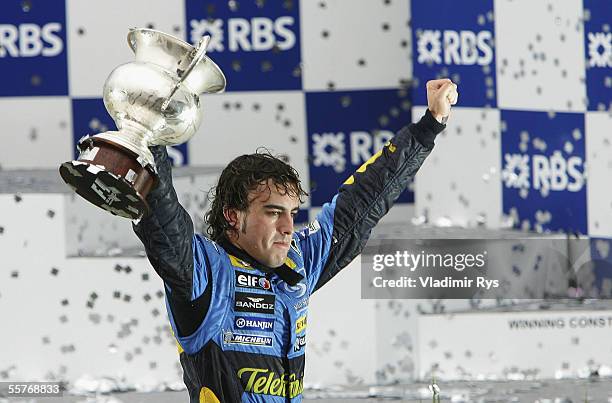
(254, 323)
(246, 339)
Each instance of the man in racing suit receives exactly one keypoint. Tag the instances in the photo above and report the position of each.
(238, 305)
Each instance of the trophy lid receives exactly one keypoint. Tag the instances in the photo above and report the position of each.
(174, 54)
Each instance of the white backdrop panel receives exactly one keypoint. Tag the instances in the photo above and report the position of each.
(36, 132)
(240, 123)
(460, 179)
(540, 45)
(97, 36)
(599, 161)
(354, 55)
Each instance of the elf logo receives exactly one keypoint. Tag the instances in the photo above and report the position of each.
(454, 47)
(247, 280)
(256, 34)
(30, 40)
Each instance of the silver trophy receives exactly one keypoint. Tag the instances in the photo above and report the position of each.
(154, 100)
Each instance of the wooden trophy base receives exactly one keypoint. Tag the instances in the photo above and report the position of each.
(111, 177)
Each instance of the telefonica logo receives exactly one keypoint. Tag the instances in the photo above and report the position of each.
(265, 382)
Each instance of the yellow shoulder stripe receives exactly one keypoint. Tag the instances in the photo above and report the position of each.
(239, 263)
(290, 263)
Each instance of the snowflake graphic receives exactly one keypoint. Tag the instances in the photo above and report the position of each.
(512, 178)
(429, 55)
(596, 40)
(329, 150)
(199, 28)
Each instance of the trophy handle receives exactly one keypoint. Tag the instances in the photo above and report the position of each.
(198, 56)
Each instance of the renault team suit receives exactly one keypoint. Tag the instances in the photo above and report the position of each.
(241, 326)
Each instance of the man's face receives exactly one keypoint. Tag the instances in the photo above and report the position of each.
(265, 229)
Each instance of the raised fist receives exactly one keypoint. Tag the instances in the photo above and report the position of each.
(441, 94)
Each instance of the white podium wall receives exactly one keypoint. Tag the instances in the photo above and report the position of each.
(515, 345)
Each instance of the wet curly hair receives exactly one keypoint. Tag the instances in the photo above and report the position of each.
(243, 175)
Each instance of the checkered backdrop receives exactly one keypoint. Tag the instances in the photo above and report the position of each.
(327, 82)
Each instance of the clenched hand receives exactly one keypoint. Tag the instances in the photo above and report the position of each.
(441, 94)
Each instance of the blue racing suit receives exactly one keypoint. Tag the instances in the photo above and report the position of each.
(241, 326)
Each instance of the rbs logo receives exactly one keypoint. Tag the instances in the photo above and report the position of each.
(452, 47)
(328, 148)
(548, 173)
(30, 40)
(250, 35)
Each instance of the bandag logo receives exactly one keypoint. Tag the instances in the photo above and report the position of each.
(260, 303)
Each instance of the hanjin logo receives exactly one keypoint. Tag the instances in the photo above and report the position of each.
(260, 303)
(254, 323)
(248, 280)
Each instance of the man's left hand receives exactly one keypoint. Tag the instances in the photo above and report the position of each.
(441, 94)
